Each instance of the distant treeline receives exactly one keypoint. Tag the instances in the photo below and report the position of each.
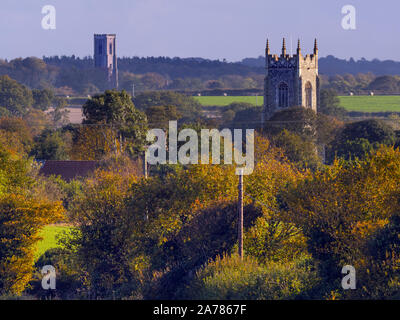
(173, 68)
(331, 65)
(77, 76)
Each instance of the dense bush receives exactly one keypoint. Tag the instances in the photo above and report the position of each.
(230, 278)
(344, 207)
(358, 139)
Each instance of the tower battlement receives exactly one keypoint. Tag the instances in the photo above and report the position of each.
(291, 80)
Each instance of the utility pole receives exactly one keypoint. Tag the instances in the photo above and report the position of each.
(145, 173)
(240, 214)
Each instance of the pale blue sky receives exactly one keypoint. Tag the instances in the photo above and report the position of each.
(215, 29)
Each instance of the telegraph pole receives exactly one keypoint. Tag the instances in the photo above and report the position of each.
(145, 168)
(240, 214)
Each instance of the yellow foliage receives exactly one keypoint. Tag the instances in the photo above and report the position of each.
(21, 221)
(341, 207)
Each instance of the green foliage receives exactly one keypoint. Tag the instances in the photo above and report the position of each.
(388, 84)
(159, 116)
(16, 129)
(4, 112)
(382, 278)
(346, 83)
(230, 278)
(299, 120)
(14, 173)
(358, 139)
(187, 106)
(304, 122)
(14, 97)
(112, 107)
(270, 239)
(43, 99)
(22, 215)
(51, 145)
(191, 217)
(103, 241)
(299, 150)
(330, 103)
(229, 112)
(341, 209)
(115, 109)
(70, 284)
(372, 130)
(214, 84)
(211, 232)
(249, 118)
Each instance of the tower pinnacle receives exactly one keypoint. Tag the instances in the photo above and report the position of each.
(284, 47)
(290, 80)
(315, 47)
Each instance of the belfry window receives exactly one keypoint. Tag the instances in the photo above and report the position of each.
(283, 95)
(308, 95)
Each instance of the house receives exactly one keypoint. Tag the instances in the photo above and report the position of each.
(68, 170)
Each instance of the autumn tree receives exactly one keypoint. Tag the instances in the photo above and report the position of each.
(104, 239)
(341, 208)
(176, 226)
(145, 226)
(22, 215)
(16, 128)
(14, 97)
(115, 110)
(37, 120)
(52, 145)
(94, 143)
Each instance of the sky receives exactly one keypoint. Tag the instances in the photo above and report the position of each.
(212, 29)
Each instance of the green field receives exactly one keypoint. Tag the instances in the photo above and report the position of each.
(371, 104)
(351, 103)
(222, 101)
(49, 241)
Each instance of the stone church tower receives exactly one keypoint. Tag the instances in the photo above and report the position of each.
(105, 57)
(290, 81)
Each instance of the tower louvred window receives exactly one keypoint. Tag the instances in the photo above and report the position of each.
(283, 93)
(308, 95)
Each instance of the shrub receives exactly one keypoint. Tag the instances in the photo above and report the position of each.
(230, 278)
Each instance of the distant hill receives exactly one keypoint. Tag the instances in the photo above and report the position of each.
(331, 65)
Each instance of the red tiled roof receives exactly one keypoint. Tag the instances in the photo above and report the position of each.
(68, 170)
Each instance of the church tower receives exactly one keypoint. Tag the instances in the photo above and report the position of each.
(105, 57)
(291, 80)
